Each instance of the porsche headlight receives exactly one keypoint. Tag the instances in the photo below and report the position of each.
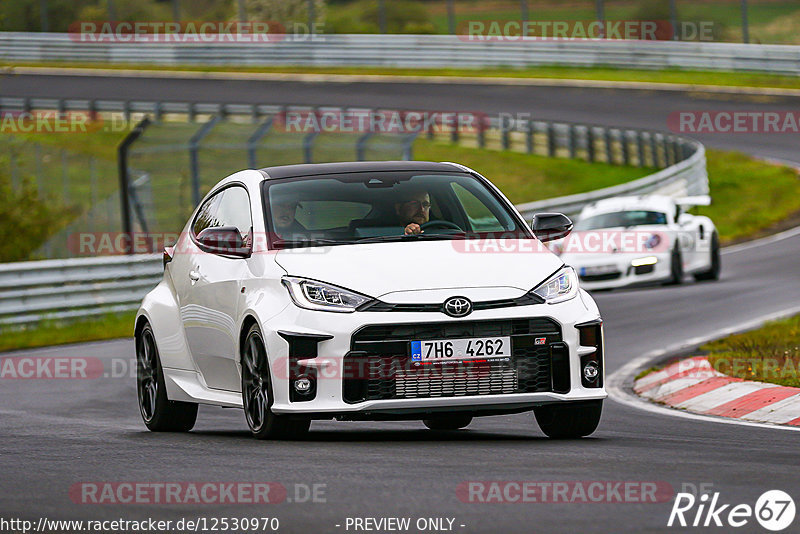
(560, 287)
(313, 295)
(653, 241)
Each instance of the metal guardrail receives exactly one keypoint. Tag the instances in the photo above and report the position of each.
(410, 51)
(686, 178)
(60, 289)
(34, 291)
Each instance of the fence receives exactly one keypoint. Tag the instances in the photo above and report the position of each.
(60, 289)
(411, 51)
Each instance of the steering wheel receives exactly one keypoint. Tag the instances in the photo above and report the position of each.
(444, 225)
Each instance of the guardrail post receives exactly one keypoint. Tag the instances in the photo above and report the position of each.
(639, 148)
(653, 149)
(571, 141)
(665, 145)
(122, 161)
(308, 147)
(126, 110)
(64, 178)
(590, 156)
(408, 146)
(158, 112)
(623, 139)
(609, 151)
(505, 136)
(529, 146)
(551, 140)
(252, 142)
(194, 145)
(192, 112)
(361, 145)
(92, 110)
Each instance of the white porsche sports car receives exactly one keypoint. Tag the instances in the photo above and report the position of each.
(358, 291)
(627, 241)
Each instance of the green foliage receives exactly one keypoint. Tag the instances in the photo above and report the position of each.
(27, 220)
(768, 354)
(402, 16)
(748, 195)
(52, 332)
(284, 11)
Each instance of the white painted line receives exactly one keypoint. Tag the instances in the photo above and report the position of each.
(717, 397)
(786, 234)
(618, 388)
(779, 412)
(668, 388)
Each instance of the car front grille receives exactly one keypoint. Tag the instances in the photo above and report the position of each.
(378, 366)
(600, 277)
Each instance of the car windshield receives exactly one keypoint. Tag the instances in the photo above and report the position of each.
(384, 206)
(621, 218)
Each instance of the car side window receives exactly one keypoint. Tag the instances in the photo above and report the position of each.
(229, 207)
(480, 217)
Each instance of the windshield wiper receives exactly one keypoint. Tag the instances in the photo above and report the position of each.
(410, 237)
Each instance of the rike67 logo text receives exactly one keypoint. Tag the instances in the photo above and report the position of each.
(774, 510)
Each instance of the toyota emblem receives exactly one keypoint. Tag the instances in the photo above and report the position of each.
(457, 307)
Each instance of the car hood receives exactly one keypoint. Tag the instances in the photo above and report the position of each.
(503, 269)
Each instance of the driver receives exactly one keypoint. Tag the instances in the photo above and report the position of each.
(414, 210)
(284, 213)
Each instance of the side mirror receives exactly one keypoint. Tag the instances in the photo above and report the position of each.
(551, 226)
(225, 240)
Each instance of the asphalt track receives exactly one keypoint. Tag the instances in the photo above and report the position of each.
(56, 433)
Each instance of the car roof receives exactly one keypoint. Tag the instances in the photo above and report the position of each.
(646, 202)
(313, 169)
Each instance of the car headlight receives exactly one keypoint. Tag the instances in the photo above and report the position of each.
(560, 287)
(313, 295)
(653, 241)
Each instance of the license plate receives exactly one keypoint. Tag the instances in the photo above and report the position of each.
(450, 350)
(598, 269)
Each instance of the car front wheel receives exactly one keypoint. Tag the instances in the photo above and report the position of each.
(569, 420)
(257, 396)
(158, 412)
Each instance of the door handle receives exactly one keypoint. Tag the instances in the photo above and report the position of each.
(194, 276)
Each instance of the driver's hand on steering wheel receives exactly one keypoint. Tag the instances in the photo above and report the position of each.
(413, 229)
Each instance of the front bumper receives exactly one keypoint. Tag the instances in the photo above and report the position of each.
(326, 358)
(609, 271)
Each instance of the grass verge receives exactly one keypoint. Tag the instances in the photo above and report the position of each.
(750, 196)
(47, 333)
(610, 74)
(768, 354)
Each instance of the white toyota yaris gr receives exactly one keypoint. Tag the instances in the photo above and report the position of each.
(368, 291)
